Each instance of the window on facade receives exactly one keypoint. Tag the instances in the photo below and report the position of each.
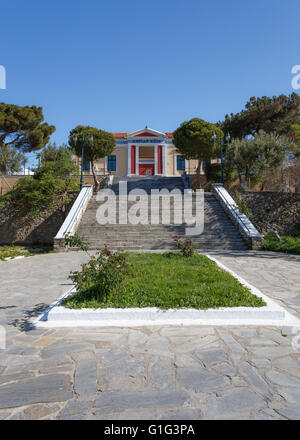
(111, 163)
(180, 163)
(86, 166)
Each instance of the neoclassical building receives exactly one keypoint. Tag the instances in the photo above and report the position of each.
(144, 152)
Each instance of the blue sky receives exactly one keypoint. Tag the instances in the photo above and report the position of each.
(122, 64)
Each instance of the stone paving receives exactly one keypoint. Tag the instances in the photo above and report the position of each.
(151, 372)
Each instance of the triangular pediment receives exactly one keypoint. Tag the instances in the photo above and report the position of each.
(146, 132)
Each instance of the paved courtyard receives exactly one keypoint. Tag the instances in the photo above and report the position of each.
(150, 372)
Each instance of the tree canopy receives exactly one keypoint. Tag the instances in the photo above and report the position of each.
(58, 161)
(11, 160)
(252, 157)
(97, 144)
(23, 127)
(194, 140)
(277, 114)
(54, 153)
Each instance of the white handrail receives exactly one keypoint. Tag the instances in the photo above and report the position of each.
(245, 226)
(73, 218)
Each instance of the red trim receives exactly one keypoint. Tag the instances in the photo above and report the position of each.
(159, 159)
(146, 134)
(133, 159)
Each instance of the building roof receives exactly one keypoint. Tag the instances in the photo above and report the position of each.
(119, 135)
(124, 135)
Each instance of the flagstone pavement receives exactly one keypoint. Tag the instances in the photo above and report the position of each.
(149, 373)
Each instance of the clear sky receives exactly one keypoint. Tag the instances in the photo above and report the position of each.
(122, 64)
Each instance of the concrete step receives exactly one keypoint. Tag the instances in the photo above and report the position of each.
(219, 231)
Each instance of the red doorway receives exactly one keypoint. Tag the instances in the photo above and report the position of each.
(146, 169)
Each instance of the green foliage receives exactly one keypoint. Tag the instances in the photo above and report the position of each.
(97, 144)
(287, 244)
(54, 153)
(47, 189)
(213, 172)
(26, 250)
(63, 166)
(101, 276)
(242, 204)
(194, 138)
(76, 241)
(276, 114)
(170, 281)
(23, 127)
(11, 159)
(252, 157)
(186, 247)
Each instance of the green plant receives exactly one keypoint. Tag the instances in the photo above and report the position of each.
(287, 244)
(242, 204)
(23, 127)
(76, 241)
(48, 189)
(256, 156)
(102, 275)
(97, 144)
(186, 247)
(12, 250)
(194, 140)
(171, 281)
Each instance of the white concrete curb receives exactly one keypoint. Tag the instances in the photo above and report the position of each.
(272, 314)
(14, 258)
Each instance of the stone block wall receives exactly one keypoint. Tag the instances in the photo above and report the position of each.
(274, 210)
(25, 230)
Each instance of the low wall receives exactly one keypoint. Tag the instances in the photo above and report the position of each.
(274, 210)
(39, 230)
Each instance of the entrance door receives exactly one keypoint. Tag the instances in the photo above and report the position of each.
(146, 169)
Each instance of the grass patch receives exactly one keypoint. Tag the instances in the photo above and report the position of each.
(12, 251)
(288, 244)
(171, 281)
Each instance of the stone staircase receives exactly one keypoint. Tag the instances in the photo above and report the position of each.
(219, 232)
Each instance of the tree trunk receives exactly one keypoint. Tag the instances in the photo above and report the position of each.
(96, 181)
(198, 171)
(247, 177)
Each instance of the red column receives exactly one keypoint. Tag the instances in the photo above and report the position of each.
(133, 160)
(159, 159)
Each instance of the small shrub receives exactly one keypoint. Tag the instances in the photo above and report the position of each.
(102, 275)
(287, 244)
(76, 241)
(186, 247)
(242, 204)
(47, 189)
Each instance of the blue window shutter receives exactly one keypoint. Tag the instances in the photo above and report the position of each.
(111, 163)
(180, 163)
